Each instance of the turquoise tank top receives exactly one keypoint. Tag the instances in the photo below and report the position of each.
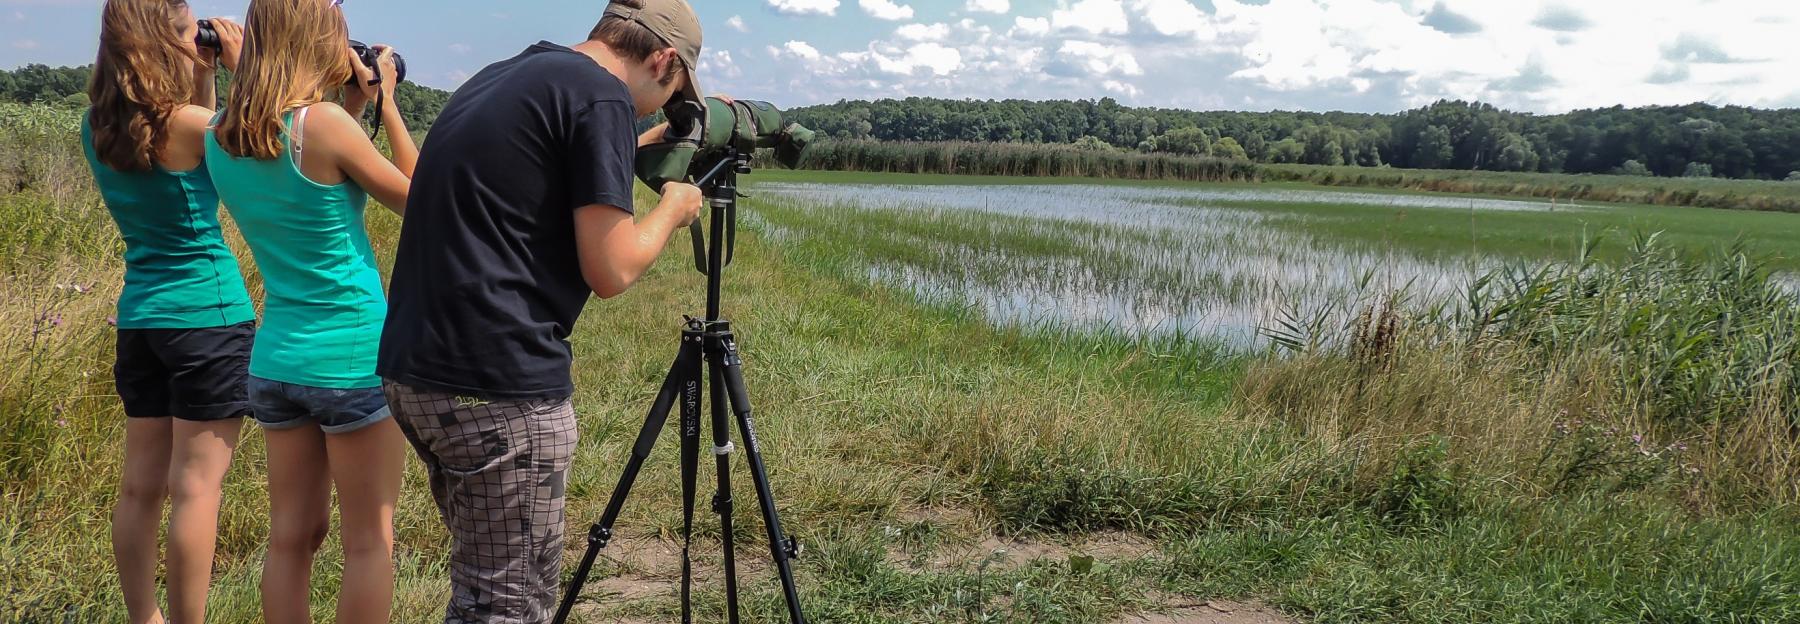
(178, 272)
(323, 305)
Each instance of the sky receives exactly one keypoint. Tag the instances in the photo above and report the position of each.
(1545, 56)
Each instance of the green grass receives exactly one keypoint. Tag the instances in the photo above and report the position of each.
(899, 431)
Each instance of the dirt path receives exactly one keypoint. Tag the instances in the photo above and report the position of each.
(1213, 612)
(648, 572)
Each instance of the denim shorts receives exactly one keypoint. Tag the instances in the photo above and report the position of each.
(282, 405)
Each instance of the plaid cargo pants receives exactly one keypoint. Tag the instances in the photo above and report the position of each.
(498, 470)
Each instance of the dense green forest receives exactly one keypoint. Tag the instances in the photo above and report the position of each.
(68, 86)
(1698, 140)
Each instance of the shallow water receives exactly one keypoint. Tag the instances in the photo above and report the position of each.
(1138, 260)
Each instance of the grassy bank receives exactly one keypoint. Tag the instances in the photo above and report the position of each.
(1038, 160)
(942, 469)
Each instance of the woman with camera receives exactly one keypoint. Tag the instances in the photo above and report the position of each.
(185, 322)
(295, 170)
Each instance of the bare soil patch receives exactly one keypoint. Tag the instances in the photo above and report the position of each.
(1212, 612)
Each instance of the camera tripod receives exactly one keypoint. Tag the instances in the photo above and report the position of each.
(707, 342)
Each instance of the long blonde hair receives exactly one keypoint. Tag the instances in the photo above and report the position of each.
(141, 77)
(294, 51)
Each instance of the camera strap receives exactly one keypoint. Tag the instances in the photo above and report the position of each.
(375, 125)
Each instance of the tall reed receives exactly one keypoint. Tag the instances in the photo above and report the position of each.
(1663, 371)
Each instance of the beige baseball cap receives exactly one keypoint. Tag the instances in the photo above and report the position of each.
(674, 22)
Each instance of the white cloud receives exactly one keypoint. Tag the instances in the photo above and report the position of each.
(997, 7)
(1031, 26)
(804, 7)
(936, 59)
(737, 23)
(939, 59)
(1099, 17)
(924, 32)
(717, 63)
(1099, 59)
(1172, 18)
(1120, 88)
(460, 48)
(886, 10)
(796, 49)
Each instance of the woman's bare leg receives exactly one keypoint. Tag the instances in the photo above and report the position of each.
(300, 515)
(197, 464)
(137, 519)
(368, 469)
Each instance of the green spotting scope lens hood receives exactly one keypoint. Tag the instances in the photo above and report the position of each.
(699, 133)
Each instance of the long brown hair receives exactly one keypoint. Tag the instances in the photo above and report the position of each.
(294, 50)
(141, 78)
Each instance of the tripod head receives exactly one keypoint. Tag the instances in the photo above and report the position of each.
(719, 185)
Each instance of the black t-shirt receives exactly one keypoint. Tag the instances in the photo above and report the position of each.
(487, 283)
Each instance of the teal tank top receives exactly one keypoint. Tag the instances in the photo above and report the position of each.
(323, 305)
(178, 272)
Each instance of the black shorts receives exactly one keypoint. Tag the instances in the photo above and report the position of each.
(192, 374)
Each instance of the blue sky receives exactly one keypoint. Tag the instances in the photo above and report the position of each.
(1359, 55)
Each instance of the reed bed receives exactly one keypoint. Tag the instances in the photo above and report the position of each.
(1053, 160)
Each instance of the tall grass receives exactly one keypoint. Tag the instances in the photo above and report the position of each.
(1664, 373)
(1051, 160)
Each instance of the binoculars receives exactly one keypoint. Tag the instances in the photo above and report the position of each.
(208, 37)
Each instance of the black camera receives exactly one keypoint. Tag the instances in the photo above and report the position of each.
(370, 56)
(208, 37)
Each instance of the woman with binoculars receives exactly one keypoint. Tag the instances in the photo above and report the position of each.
(296, 170)
(185, 320)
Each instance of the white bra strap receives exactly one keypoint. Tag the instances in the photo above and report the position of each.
(299, 134)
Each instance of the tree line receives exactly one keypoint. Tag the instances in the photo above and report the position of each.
(67, 86)
(1697, 140)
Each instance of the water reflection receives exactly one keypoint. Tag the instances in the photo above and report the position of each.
(1141, 260)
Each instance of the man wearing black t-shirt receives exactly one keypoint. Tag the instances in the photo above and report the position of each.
(521, 207)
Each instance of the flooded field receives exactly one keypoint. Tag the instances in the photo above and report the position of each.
(1201, 262)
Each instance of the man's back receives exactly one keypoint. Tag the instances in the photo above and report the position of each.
(487, 283)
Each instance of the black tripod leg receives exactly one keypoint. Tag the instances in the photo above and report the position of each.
(722, 503)
(690, 462)
(686, 366)
(781, 549)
